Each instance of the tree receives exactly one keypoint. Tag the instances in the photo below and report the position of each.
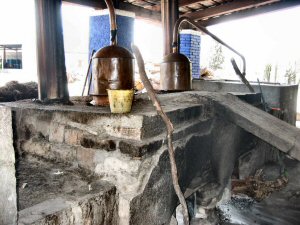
(217, 59)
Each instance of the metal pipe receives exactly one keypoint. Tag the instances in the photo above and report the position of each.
(113, 22)
(170, 14)
(203, 29)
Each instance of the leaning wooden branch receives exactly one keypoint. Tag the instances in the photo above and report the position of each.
(170, 130)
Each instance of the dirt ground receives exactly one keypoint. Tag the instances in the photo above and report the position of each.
(38, 180)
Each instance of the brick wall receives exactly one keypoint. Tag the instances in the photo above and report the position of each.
(190, 46)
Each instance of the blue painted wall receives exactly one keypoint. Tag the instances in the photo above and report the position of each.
(190, 47)
(100, 32)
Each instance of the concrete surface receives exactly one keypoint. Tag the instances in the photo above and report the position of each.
(275, 95)
(130, 151)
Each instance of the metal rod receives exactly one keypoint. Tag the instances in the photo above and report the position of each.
(88, 72)
(203, 29)
(113, 22)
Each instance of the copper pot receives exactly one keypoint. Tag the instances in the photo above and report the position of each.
(175, 72)
(112, 66)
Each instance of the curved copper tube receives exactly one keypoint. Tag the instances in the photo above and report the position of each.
(113, 22)
(203, 29)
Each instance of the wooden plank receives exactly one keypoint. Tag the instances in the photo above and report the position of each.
(227, 8)
(139, 11)
(251, 12)
(183, 3)
(90, 3)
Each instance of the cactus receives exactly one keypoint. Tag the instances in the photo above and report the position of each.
(267, 72)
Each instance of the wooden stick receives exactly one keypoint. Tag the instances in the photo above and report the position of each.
(170, 130)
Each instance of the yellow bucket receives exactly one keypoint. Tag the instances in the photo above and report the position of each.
(120, 101)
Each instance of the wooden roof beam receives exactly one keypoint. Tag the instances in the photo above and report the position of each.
(90, 3)
(227, 8)
(139, 11)
(183, 3)
(252, 12)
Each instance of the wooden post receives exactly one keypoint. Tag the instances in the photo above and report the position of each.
(50, 51)
(170, 13)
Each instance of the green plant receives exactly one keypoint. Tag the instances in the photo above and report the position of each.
(217, 59)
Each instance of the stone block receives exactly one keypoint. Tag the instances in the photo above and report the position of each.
(56, 132)
(72, 136)
(8, 196)
(85, 158)
(7, 155)
(97, 143)
(138, 149)
(100, 209)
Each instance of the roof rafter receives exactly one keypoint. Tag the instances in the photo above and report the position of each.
(139, 11)
(227, 8)
(252, 12)
(183, 3)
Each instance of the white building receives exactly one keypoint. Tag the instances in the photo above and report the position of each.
(17, 31)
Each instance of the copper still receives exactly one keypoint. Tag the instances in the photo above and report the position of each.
(176, 68)
(112, 66)
(175, 71)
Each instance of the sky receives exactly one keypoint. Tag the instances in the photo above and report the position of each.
(16, 18)
(270, 38)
